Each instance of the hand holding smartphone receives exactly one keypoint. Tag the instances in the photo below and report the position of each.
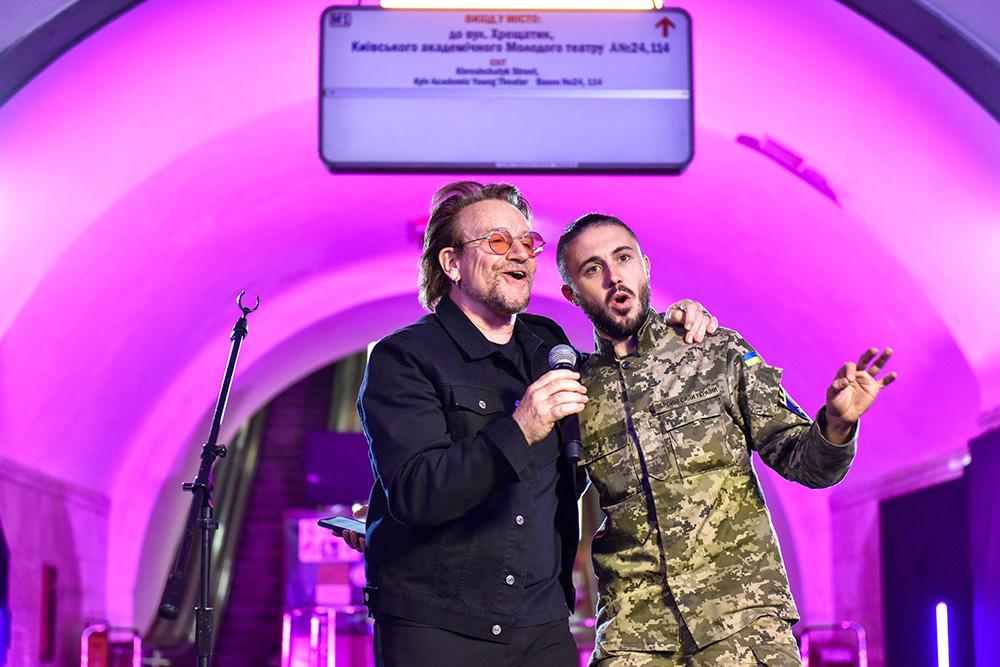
(338, 524)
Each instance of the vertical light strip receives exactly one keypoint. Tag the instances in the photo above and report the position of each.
(941, 612)
(314, 631)
(331, 638)
(286, 639)
(136, 650)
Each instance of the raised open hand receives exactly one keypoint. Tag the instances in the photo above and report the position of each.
(854, 389)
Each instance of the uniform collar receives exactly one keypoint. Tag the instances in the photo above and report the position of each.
(651, 331)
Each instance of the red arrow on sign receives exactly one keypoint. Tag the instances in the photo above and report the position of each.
(666, 24)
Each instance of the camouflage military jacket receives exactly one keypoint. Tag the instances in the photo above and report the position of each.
(667, 435)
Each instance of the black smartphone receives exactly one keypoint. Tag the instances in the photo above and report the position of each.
(338, 524)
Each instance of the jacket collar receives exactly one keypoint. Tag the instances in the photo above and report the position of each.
(472, 341)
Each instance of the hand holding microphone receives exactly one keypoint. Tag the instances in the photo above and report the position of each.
(556, 395)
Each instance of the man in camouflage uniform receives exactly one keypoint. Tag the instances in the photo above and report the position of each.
(688, 566)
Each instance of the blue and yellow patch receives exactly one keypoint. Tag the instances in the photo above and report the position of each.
(751, 358)
(793, 406)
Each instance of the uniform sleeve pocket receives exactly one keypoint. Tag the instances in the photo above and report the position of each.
(766, 395)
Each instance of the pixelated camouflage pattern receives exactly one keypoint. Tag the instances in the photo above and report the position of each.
(667, 435)
(767, 641)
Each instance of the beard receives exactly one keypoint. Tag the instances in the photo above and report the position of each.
(612, 325)
(499, 300)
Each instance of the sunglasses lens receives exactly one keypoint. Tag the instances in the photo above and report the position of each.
(533, 242)
(500, 241)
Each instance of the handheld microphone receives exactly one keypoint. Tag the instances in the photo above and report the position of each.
(565, 357)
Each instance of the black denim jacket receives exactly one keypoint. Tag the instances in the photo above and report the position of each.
(448, 511)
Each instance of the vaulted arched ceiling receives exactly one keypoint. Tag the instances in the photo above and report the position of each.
(169, 161)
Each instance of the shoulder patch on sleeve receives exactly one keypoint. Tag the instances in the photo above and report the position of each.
(793, 406)
(751, 358)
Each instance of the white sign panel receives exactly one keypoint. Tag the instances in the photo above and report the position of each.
(474, 91)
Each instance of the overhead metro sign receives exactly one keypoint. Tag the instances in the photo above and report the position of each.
(474, 91)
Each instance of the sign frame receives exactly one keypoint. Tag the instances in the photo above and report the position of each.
(454, 94)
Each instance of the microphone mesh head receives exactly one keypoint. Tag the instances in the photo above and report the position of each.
(563, 356)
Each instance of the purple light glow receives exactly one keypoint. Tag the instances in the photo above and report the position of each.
(169, 161)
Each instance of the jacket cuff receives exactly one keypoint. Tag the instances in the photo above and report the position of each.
(851, 444)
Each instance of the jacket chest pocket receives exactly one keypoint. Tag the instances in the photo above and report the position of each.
(610, 461)
(695, 439)
(471, 409)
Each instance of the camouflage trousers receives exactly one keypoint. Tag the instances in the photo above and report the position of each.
(768, 642)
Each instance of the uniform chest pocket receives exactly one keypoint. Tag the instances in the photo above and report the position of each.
(609, 459)
(695, 439)
(470, 409)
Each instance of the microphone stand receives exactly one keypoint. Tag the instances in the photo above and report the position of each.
(200, 513)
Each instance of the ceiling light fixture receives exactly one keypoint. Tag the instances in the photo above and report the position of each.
(790, 161)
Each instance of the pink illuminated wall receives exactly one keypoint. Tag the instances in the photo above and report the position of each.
(170, 161)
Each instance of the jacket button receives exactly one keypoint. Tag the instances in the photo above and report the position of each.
(482, 405)
(510, 580)
(496, 629)
(627, 365)
(519, 520)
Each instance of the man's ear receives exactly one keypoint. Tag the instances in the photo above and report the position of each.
(567, 292)
(448, 259)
